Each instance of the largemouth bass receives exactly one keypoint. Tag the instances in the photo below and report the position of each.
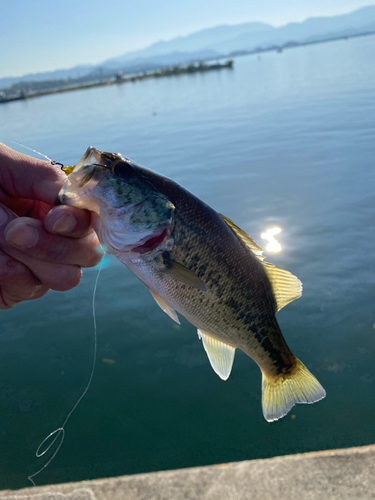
(199, 264)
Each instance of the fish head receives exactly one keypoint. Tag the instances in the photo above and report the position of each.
(129, 213)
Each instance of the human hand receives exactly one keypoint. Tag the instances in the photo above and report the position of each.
(42, 246)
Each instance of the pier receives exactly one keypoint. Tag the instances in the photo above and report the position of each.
(330, 475)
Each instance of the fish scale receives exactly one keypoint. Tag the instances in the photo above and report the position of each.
(199, 264)
(238, 280)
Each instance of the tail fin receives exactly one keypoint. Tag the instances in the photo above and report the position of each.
(281, 393)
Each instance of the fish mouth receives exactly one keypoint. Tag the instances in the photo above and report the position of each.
(151, 243)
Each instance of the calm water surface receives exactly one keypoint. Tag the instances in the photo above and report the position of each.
(286, 140)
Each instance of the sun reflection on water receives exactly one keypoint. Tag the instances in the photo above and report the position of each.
(273, 245)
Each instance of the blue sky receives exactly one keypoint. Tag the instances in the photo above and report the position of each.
(43, 35)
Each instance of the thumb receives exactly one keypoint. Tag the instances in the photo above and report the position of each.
(23, 176)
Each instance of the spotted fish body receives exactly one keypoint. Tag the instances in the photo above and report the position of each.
(237, 306)
(197, 263)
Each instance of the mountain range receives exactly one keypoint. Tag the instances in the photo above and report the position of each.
(219, 41)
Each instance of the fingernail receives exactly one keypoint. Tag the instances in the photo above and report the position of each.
(22, 236)
(65, 224)
(3, 216)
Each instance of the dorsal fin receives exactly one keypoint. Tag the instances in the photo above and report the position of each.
(285, 286)
(244, 237)
(221, 355)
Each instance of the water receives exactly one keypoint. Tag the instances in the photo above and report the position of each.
(287, 141)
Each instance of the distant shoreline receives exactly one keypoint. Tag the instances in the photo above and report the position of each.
(292, 44)
(119, 79)
(172, 71)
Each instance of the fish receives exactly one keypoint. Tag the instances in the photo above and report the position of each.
(196, 263)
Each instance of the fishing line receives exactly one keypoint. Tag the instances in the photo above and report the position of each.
(30, 149)
(53, 162)
(59, 433)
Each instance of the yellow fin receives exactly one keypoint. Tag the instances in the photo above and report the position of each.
(244, 237)
(281, 393)
(285, 286)
(221, 355)
(164, 306)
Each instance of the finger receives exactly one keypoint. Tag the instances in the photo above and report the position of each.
(22, 176)
(27, 236)
(68, 221)
(17, 283)
(54, 275)
(59, 277)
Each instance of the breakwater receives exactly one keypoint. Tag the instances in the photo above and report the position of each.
(118, 80)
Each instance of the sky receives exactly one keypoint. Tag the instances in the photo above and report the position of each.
(44, 35)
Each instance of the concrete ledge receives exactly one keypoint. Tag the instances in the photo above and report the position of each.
(329, 475)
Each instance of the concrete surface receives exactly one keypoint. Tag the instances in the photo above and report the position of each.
(347, 474)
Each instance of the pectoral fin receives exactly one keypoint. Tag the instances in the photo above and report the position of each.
(164, 306)
(182, 273)
(221, 355)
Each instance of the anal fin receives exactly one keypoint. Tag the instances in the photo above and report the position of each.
(164, 306)
(221, 355)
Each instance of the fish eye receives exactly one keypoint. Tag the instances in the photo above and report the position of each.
(123, 169)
